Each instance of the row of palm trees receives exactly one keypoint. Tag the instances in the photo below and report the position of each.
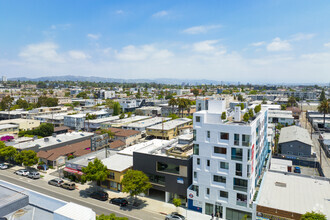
(182, 103)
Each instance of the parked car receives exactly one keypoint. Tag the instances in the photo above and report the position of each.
(297, 170)
(119, 201)
(22, 172)
(67, 185)
(100, 195)
(3, 166)
(34, 175)
(42, 167)
(174, 216)
(56, 182)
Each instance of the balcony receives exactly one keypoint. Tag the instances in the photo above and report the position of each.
(240, 188)
(239, 173)
(237, 157)
(246, 143)
(241, 203)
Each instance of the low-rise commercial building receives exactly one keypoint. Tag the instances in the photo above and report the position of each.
(122, 122)
(295, 141)
(169, 129)
(280, 116)
(8, 129)
(23, 124)
(287, 196)
(129, 137)
(142, 125)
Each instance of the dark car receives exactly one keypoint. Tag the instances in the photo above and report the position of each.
(42, 167)
(55, 182)
(297, 170)
(174, 216)
(119, 201)
(100, 195)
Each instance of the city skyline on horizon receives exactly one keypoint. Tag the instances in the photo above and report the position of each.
(263, 41)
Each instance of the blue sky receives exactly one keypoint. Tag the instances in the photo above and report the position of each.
(246, 41)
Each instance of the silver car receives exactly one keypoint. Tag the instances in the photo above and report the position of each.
(22, 172)
(34, 175)
(175, 216)
(3, 166)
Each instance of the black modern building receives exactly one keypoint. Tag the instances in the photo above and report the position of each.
(169, 168)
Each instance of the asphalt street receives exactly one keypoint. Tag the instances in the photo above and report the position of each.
(76, 196)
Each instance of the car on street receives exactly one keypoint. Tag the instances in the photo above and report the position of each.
(174, 216)
(297, 170)
(68, 185)
(100, 195)
(119, 201)
(34, 175)
(56, 182)
(22, 172)
(3, 166)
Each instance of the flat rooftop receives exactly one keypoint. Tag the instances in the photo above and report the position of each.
(147, 122)
(85, 159)
(128, 120)
(295, 193)
(6, 126)
(146, 145)
(102, 120)
(60, 138)
(170, 124)
(118, 162)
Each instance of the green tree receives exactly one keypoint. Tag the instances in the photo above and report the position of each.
(283, 107)
(195, 92)
(22, 103)
(95, 171)
(313, 216)
(172, 102)
(240, 98)
(67, 94)
(135, 182)
(82, 95)
(122, 116)
(264, 101)
(322, 96)
(173, 116)
(46, 101)
(291, 101)
(251, 114)
(112, 216)
(324, 108)
(8, 153)
(27, 158)
(246, 117)
(45, 130)
(177, 203)
(129, 114)
(138, 94)
(223, 116)
(116, 108)
(257, 108)
(6, 103)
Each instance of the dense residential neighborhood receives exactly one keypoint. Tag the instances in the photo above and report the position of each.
(205, 150)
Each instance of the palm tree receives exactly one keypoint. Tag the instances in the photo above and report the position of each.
(324, 108)
(172, 102)
(90, 117)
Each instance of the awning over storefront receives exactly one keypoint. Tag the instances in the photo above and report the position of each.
(70, 170)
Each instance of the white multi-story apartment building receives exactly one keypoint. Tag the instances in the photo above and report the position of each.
(227, 163)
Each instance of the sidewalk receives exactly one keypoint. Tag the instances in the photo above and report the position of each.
(147, 204)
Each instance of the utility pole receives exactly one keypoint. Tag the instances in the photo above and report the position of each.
(162, 128)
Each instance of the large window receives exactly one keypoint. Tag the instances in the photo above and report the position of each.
(224, 165)
(194, 135)
(224, 136)
(223, 194)
(240, 184)
(112, 175)
(236, 154)
(168, 168)
(156, 179)
(220, 150)
(198, 119)
(219, 179)
(246, 140)
(196, 149)
(236, 139)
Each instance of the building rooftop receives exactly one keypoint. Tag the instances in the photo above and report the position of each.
(6, 126)
(147, 122)
(85, 159)
(48, 141)
(75, 211)
(128, 120)
(102, 120)
(280, 164)
(295, 193)
(138, 147)
(170, 124)
(294, 133)
(118, 162)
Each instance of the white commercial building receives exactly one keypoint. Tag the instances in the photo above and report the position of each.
(227, 162)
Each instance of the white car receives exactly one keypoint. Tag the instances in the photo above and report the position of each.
(22, 172)
(3, 166)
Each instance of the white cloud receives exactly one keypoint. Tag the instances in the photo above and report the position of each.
(119, 12)
(327, 45)
(94, 36)
(78, 55)
(208, 47)
(201, 29)
(60, 26)
(139, 53)
(279, 45)
(43, 51)
(301, 36)
(160, 14)
(258, 44)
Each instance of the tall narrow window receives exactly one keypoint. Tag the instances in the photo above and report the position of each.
(196, 149)
(208, 134)
(236, 139)
(208, 163)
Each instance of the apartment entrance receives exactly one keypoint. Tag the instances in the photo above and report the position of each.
(218, 211)
(208, 209)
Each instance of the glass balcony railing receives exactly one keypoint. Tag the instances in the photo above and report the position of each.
(241, 203)
(237, 157)
(240, 188)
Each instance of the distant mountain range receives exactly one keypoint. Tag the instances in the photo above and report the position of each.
(103, 79)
